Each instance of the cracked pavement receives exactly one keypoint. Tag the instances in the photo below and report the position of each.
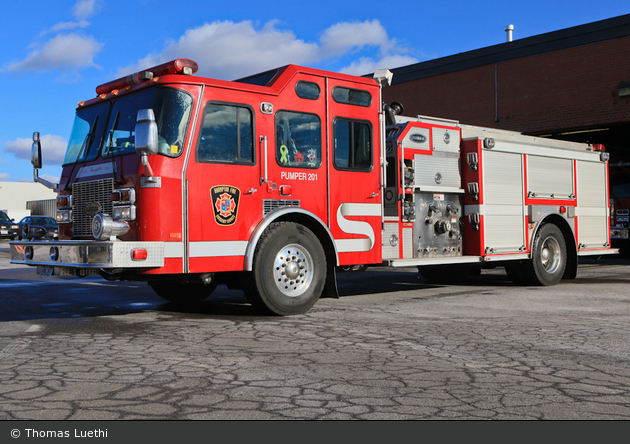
(393, 347)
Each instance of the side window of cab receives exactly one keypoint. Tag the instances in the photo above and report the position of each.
(227, 134)
(298, 139)
(352, 145)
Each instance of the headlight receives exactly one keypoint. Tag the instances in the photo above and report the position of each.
(15, 227)
(127, 212)
(64, 216)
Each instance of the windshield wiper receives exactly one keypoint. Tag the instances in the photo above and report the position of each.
(110, 143)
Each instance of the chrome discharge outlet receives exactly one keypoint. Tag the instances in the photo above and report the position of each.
(105, 227)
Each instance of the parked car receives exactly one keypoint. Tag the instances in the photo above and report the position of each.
(38, 227)
(8, 228)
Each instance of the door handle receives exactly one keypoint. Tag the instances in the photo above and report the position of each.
(263, 163)
(374, 194)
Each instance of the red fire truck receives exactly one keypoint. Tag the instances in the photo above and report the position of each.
(274, 182)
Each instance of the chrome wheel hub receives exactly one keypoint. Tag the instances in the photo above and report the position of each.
(293, 270)
(550, 255)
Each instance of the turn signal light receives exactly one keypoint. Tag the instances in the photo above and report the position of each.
(123, 195)
(64, 201)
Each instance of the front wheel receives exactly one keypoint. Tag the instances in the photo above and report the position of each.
(289, 270)
(549, 257)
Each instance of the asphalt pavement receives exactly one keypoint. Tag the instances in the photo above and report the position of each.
(392, 347)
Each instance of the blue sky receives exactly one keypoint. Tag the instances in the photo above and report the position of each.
(55, 53)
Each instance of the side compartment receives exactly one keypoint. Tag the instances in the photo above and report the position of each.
(423, 194)
(593, 223)
(495, 219)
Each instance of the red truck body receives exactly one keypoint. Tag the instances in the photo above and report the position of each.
(275, 182)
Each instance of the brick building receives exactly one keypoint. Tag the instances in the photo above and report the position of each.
(570, 84)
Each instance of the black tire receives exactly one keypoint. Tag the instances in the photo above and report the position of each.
(183, 293)
(549, 257)
(288, 272)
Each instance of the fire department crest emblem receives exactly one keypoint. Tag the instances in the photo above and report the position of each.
(225, 203)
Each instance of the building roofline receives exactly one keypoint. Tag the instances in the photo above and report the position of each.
(589, 33)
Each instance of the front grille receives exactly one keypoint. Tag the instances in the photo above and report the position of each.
(272, 204)
(88, 199)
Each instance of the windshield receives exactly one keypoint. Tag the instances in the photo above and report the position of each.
(43, 221)
(4, 218)
(87, 134)
(90, 136)
(172, 110)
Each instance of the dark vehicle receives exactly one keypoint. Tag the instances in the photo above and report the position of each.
(38, 227)
(8, 228)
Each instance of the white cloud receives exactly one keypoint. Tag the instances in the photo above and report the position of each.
(229, 50)
(4, 177)
(53, 149)
(66, 26)
(65, 52)
(366, 65)
(62, 52)
(343, 37)
(84, 9)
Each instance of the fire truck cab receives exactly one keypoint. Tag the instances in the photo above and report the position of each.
(273, 182)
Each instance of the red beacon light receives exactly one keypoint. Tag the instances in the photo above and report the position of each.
(603, 155)
(178, 66)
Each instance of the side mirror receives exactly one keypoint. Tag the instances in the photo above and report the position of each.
(36, 161)
(146, 133)
(36, 152)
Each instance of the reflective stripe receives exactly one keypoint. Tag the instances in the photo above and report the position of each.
(173, 249)
(218, 248)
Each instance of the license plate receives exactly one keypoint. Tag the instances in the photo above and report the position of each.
(4, 232)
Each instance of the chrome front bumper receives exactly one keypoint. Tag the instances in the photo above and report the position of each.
(86, 254)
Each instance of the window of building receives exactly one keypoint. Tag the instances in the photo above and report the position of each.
(226, 135)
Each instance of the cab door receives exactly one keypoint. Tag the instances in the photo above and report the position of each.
(296, 160)
(355, 201)
(222, 180)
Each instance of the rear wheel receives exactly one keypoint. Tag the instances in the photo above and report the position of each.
(549, 257)
(288, 272)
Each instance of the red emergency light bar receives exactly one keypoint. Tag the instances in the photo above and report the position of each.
(178, 66)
